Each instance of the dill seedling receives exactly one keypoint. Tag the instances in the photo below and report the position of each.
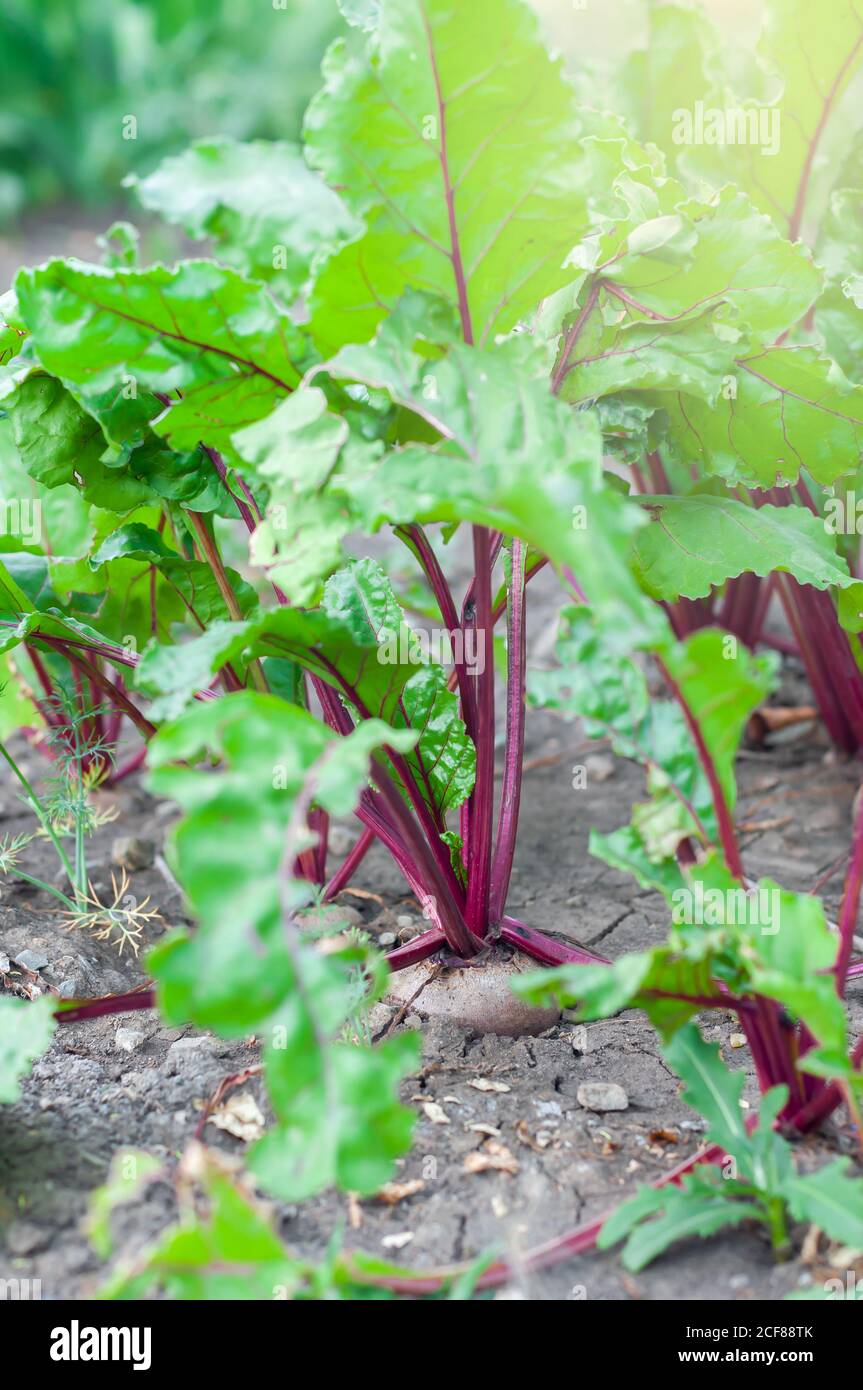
(81, 759)
(121, 921)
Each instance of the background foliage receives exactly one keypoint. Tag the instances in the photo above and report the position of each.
(70, 72)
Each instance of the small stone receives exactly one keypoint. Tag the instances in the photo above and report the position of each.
(31, 960)
(737, 1040)
(23, 1238)
(128, 1039)
(404, 920)
(407, 934)
(131, 852)
(68, 988)
(387, 939)
(602, 1096)
(599, 767)
(397, 1241)
(579, 1040)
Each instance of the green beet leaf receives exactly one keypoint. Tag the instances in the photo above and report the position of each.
(413, 126)
(248, 966)
(699, 1207)
(198, 329)
(266, 212)
(831, 1199)
(25, 1031)
(695, 543)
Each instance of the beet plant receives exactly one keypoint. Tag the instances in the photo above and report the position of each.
(168, 400)
(769, 956)
(436, 324)
(722, 342)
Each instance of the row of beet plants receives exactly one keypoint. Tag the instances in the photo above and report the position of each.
(471, 289)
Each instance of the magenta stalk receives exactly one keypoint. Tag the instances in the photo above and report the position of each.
(546, 949)
(120, 700)
(835, 722)
(444, 905)
(243, 508)
(481, 803)
(850, 908)
(144, 997)
(413, 952)
(418, 543)
(510, 793)
(343, 875)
